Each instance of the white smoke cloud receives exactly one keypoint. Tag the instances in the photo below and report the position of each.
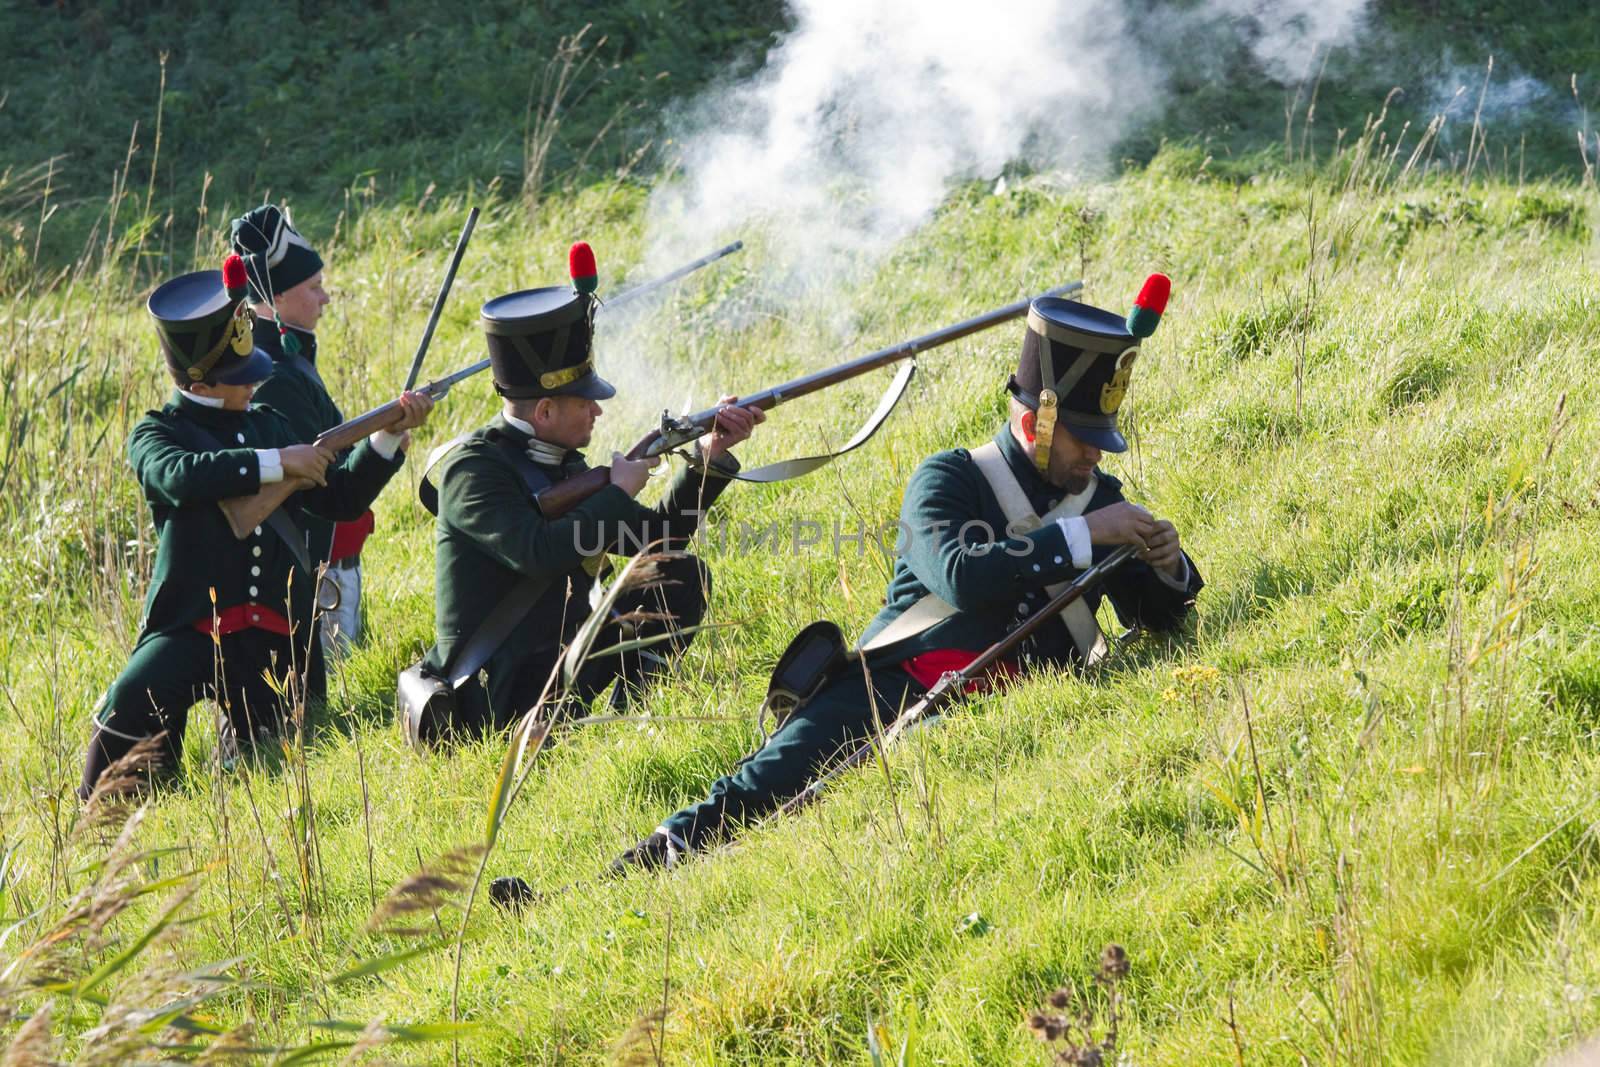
(1288, 36)
(868, 110)
(1464, 91)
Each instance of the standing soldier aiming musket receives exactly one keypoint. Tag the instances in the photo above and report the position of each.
(989, 536)
(227, 618)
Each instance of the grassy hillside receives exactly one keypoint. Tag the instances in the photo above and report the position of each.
(197, 110)
(1423, 61)
(195, 103)
(1350, 820)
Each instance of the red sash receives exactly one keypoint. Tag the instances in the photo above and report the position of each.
(245, 617)
(930, 666)
(348, 537)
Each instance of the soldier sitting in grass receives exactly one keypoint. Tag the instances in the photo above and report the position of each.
(985, 534)
(286, 293)
(225, 618)
(512, 587)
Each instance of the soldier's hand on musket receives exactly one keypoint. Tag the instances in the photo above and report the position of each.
(629, 475)
(1162, 549)
(1121, 524)
(308, 462)
(734, 424)
(414, 410)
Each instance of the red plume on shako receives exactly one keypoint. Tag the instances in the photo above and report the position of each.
(580, 261)
(233, 277)
(1149, 304)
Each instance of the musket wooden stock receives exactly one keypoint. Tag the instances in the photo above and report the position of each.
(245, 513)
(568, 493)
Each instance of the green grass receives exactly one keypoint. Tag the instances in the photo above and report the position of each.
(322, 104)
(1223, 101)
(1368, 837)
(199, 110)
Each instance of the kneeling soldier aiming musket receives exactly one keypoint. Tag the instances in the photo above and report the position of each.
(512, 585)
(989, 536)
(226, 618)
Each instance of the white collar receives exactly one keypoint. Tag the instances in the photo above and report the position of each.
(203, 401)
(525, 427)
(540, 451)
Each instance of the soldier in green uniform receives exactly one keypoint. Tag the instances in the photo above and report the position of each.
(222, 614)
(984, 534)
(285, 275)
(499, 558)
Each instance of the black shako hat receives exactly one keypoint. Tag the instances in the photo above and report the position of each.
(205, 329)
(276, 257)
(541, 341)
(1076, 359)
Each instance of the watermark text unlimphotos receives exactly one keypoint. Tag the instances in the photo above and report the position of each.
(797, 536)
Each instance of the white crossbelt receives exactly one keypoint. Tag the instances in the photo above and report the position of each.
(932, 609)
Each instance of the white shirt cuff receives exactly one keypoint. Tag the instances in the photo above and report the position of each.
(1081, 548)
(1181, 582)
(385, 444)
(271, 465)
(677, 842)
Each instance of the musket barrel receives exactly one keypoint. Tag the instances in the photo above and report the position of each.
(672, 276)
(1057, 604)
(883, 357)
(947, 687)
(438, 301)
(440, 386)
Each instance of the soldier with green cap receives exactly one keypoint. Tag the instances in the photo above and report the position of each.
(987, 535)
(512, 587)
(288, 298)
(224, 618)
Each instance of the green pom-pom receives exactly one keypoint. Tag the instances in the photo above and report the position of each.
(1142, 322)
(581, 265)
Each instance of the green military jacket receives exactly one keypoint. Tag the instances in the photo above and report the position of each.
(183, 475)
(489, 534)
(949, 518)
(296, 391)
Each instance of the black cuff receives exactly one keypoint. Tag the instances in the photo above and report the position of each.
(726, 464)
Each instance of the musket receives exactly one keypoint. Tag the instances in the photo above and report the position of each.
(514, 893)
(671, 276)
(438, 301)
(677, 431)
(953, 683)
(245, 513)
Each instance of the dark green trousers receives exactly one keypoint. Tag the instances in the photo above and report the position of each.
(169, 673)
(676, 604)
(834, 723)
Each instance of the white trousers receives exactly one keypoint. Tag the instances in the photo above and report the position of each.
(341, 628)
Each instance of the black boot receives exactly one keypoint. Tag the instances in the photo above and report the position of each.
(654, 852)
(510, 893)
